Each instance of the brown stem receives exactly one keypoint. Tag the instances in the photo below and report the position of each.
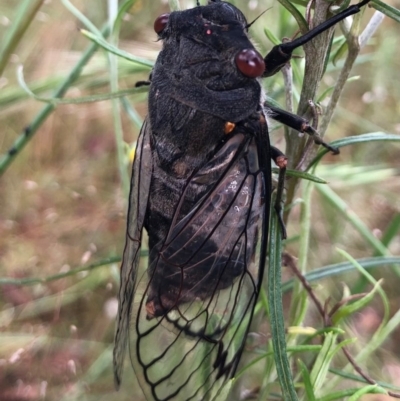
(315, 53)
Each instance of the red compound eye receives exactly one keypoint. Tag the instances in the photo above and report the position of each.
(160, 23)
(250, 63)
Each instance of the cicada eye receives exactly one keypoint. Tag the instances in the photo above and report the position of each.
(160, 23)
(250, 63)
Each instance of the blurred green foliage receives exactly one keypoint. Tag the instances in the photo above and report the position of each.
(62, 206)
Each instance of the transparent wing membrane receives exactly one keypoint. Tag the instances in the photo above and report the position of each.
(138, 198)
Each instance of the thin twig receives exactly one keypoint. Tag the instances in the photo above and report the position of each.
(41, 117)
(59, 276)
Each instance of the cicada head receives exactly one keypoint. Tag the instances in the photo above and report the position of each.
(208, 60)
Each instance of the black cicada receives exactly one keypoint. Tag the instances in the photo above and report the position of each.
(201, 188)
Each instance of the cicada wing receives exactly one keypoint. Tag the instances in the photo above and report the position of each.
(203, 280)
(138, 199)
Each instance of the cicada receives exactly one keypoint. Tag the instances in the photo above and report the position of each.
(201, 188)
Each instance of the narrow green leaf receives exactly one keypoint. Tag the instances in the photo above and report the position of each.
(331, 88)
(296, 14)
(344, 267)
(323, 361)
(352, 176)
(339, 395)
(113, 49)
(371, 279)
(328, 55)
(273, 39)
(24, 16)
(302, 3)
(370, 137)
(298, 74)
(392, 231)
(304, 348)
(351, 140)
(343, 6)
(371, 389)
(276, 311)
(301, 174)
(77, 100)
(386, 9)
(121, 13)
(81, 17)
(325, 94)
(355, 306)
(340, 52)
(299, 302)
(326, 330)
(131, 112)
(98, 366)
(357, 378)
(308, 387)
(290, 349)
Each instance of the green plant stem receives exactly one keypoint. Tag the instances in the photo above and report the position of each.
(47, 303)
(110, 48)
(276, 312)
(81, 17)
(299, 302)
(40, 118)
(59, 276)
(23, 18)
(116, 107)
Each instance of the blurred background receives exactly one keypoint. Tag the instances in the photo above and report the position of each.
(62, 204)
